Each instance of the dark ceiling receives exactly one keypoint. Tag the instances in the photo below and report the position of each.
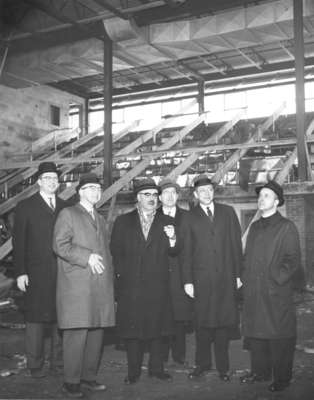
(32, 29)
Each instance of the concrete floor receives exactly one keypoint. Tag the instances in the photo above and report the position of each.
(20, 385)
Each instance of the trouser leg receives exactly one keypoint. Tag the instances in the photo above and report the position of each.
(35, 344)
(203, 348)
(155, 364)
(55, 347)
(74, 341)
(135, 353)
(178, 342)
(282, 353)
(92, 353)
(221, 349)
(166, 345)
(260, 357)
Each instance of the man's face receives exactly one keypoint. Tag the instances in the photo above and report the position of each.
(267, 200)
(90, 193)
(48, 183)
(148, 199)
(169, 197)
(205, 194)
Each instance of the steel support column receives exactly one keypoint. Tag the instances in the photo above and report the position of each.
(299, 87)
(201, 94)
(86, 117)
(107, 171)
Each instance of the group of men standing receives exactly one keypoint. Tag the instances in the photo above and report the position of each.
(170, 266)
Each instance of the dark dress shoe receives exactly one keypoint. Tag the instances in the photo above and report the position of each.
(278, 386)
(198, 371)
(72, 390)
(163, 376)
(93, 385)
(252, 378)
(130, 380)
(224, 377)
(37, 373)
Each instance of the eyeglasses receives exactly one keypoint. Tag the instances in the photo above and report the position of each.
(147, 195)
(50, 178)
(94, 188)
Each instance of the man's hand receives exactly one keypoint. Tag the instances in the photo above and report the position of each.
(170, 232)
(239, 283)
(22, 282)
(95, 263)
(189, 289)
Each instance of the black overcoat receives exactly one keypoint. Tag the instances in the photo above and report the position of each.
(142, 269)
(33, 255)
(212, 258)
(272, 269)
(181, 302)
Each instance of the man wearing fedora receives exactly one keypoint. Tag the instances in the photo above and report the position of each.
(36, 265)
(141, 242)
(212, 257)
(181, 302)
(85, 300)
(272, 269)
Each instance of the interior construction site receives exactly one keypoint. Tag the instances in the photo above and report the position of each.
(130, 89)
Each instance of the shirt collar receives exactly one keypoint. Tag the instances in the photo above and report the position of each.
(210, 206)
(170, 211)
(47, 197)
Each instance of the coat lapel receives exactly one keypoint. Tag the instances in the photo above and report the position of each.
(43, 205)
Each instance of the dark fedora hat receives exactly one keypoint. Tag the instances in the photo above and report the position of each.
(143, 184)
(167, 183)
(45, 167)
(275, 187)
(202, 180)
(88, 178)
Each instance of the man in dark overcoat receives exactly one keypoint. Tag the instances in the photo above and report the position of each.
(212, 257)
(36, 265)
(85, 300)
(181, 302)
(272, 269)
(141, 242)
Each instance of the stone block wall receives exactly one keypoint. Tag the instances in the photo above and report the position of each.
(25, 116)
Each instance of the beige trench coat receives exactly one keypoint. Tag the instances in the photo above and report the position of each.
(84, 299)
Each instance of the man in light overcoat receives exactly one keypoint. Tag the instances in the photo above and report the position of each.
(85, 300)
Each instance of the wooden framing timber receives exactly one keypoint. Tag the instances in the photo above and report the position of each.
(238, 154)
(140, 167)
(200, 149)
(36, 146)
(213, 139)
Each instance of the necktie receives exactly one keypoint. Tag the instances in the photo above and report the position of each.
(91, 212)
(210, 214)
(51, 203)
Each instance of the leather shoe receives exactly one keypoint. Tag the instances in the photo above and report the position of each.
(130, 380)
(93, 385)
(224, 377)
(198, 371)
(278, 386)
(72, 390)
(163, 376)
(37, 373)
(252, 378)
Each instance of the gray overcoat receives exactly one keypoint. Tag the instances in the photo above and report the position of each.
(84, 299)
